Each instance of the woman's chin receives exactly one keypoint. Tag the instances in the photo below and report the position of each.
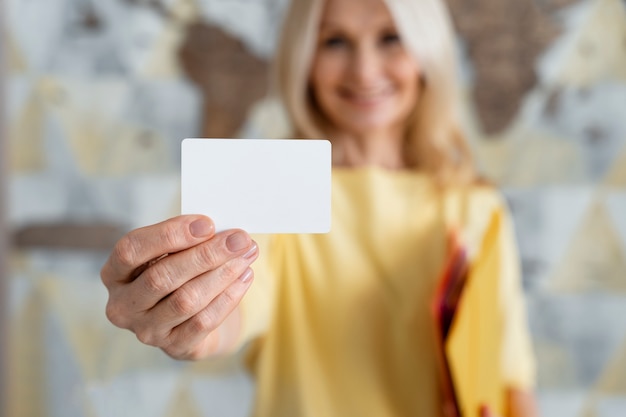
(366, 127)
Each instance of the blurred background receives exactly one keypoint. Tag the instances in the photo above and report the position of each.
(99, 93)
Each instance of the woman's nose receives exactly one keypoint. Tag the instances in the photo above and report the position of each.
(366, 65)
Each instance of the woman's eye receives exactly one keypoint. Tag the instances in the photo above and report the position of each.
(390, 39)
(334, 42)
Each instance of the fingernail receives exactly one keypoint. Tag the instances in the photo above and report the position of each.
(246, 276)
(237, 241)
(201, 228)
(251, 252)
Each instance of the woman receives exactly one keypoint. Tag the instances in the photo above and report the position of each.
(340, 323)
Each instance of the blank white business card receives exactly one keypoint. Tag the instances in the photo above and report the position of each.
(258, 185)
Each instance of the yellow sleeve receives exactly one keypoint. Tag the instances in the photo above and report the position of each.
(518, 361)
(257, 304)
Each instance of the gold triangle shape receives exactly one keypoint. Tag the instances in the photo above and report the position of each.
(589, 412)
(83, 133)
(83, 334)
(101, 350)
(595, 258)
(541, 159)
(16, 63)
(163, 61)
(183, 404)
(185, 11)
(597, 49)
(616, 175)
(135, 151)
(612, 382)
(26, 137)
(26, 345)
(613, 378)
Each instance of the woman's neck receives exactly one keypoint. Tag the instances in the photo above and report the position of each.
(383, 150)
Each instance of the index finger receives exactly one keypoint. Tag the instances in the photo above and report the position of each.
(147, 243)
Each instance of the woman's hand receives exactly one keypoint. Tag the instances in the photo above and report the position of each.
(175, 282)
(520, 404)
(485, 411)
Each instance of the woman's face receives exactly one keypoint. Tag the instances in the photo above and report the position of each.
(362, 77)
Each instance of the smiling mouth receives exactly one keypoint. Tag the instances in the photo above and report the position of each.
(366, 98)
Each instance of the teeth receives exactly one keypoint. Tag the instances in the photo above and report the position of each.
(367, 96)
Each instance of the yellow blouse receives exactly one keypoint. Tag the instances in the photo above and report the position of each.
(340, 323)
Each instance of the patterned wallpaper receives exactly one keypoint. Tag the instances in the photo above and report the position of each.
(100, 93)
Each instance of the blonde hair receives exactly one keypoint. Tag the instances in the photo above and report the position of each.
(434, 141)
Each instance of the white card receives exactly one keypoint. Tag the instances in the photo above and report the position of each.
(258, 185)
